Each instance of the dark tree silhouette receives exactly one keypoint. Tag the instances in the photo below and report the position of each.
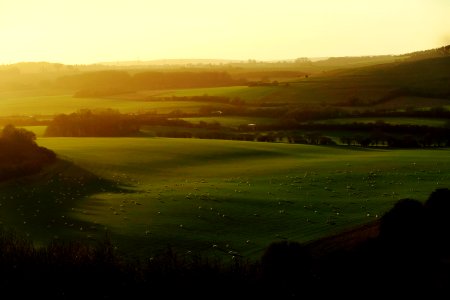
(19, 153)
(287, 266)
(438, 209)
(13, 135)
(404, 224)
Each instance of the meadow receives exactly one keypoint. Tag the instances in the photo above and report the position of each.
(227, 198)
(48, 106)
(230, 121)
(209, 197)
(389, 120)
(248, 94)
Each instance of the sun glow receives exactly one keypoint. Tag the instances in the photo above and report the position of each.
(87, 31)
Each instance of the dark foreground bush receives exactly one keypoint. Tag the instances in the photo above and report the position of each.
(408, 258)
(79, 271)
(20, 155)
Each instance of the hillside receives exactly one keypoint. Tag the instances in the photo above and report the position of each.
(422, 78)
(28, 75)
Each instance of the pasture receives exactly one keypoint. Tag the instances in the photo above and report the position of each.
(389, 120)
(316, 91)
(230, 121)
(217, 198)
(49, 105)
(248, 94)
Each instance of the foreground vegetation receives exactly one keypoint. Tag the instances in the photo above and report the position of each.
(404, 253)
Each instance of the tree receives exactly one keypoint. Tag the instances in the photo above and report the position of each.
(346, 140)
(403, 225)
(20, 155)
(15, 135)
(437, 208)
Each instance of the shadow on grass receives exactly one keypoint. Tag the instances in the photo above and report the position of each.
(40, 205)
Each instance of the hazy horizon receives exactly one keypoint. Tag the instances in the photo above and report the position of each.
(96, 31)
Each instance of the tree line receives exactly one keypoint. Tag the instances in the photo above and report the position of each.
(111, 123)
(112, 82)
(86, 123)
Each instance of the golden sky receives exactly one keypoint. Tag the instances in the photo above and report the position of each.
(88, 31)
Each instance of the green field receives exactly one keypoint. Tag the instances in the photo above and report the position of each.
(230, 121)
(39, 131)
(249, 94)
(194, 194)
(367, 84)
(52, 105)
(215, 196)
(388, 120)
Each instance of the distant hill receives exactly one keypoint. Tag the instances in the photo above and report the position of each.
(426, 78)
(392, 71)
(361, 61)
(431, 53)
(354, 61)
(320, 62)
(171, 62)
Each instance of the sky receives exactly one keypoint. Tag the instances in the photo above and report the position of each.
(89, 31)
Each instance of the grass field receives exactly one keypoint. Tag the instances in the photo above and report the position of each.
(367, 85)
(39, 131)
(213, 197)
(231, 121)
(51, 105)
(249, 94)
(388, 120)
(313, 91)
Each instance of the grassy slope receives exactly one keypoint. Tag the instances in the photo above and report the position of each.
(39, 205)
(366, 83)
(429, 75)
(222, 192)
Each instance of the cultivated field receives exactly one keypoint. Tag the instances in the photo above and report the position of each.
(213, 197)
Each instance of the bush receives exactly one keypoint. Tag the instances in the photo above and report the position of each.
(20, 155)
